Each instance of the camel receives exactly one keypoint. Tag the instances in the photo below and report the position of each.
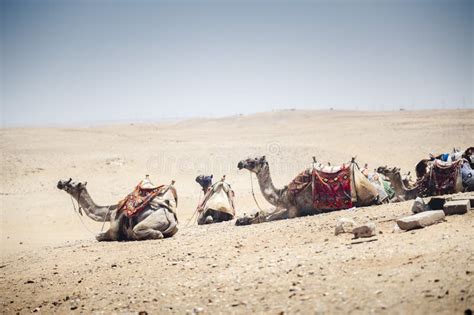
(423, 166)
(156, 221)
(422, 188)
(402, 192)
(287, 205)
(217, 204)
(469, 156)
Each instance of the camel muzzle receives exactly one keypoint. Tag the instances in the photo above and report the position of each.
(63, 183)
(240, 165)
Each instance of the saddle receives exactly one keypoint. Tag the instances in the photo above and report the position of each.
(331, 188)
(215, 200)
(441, 178)
(143, 195)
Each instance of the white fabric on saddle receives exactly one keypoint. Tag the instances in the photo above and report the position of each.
(147, 184)
(327, 168)
(362, 190)
(168, 199)
(221, 199)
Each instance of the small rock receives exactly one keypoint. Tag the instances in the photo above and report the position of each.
(367, 230)
(344, 225)
(420, 220)
(419, 206)
(470, 198)
(456, 207)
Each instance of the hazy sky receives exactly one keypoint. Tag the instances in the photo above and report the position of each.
(85, 61)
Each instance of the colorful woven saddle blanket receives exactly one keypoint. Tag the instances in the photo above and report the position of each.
(330, 190)
(441, 179)
(138, 199)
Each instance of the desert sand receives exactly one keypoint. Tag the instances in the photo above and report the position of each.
(51, 263)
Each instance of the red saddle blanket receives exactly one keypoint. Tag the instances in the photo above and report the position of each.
(138, 200)
(441, 179)
(330, 191)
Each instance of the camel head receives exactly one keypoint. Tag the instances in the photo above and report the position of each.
(422, 167)
(469, 155)
(204, 181)
(72, 187)
(253, 164)
(386, 171)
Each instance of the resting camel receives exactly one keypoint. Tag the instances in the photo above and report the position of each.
(402, 192)
(217, 204)
(156, 221)
(423, 186)
(363, 193)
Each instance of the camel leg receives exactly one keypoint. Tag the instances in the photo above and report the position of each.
(151, 227)
(209, 219)
(106, 236)
(279, 214)
(111, 234)
(260, 217)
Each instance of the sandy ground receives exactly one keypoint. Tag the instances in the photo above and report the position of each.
(51, 263)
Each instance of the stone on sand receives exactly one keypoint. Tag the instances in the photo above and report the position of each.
(420, 220)
(457, 207)
(470, 198)
(344, 225)
(419, 205)
(366, 230)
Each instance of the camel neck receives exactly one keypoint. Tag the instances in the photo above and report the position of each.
(85, 200)
(92, 210)
(399, 186)
(268, 189)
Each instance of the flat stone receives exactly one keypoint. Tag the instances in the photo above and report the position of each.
(457, 207)
(366, 230)
(419, 205)
(344, 225)
(470, 198)
(420, 220)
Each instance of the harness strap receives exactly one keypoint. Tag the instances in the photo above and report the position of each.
(253, 193)
(80, 218)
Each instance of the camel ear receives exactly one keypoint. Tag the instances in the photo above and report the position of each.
(85, 183)
(263, 158)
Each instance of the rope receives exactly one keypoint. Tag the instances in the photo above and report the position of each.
(253, 194)
(195, 211)
(80, 219)
(83, 223)
(105, 218)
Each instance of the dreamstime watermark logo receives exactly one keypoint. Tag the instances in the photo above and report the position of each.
(274, 148)
(164, 162)
(220, 163)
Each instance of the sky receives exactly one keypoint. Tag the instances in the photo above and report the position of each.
(69, 62)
